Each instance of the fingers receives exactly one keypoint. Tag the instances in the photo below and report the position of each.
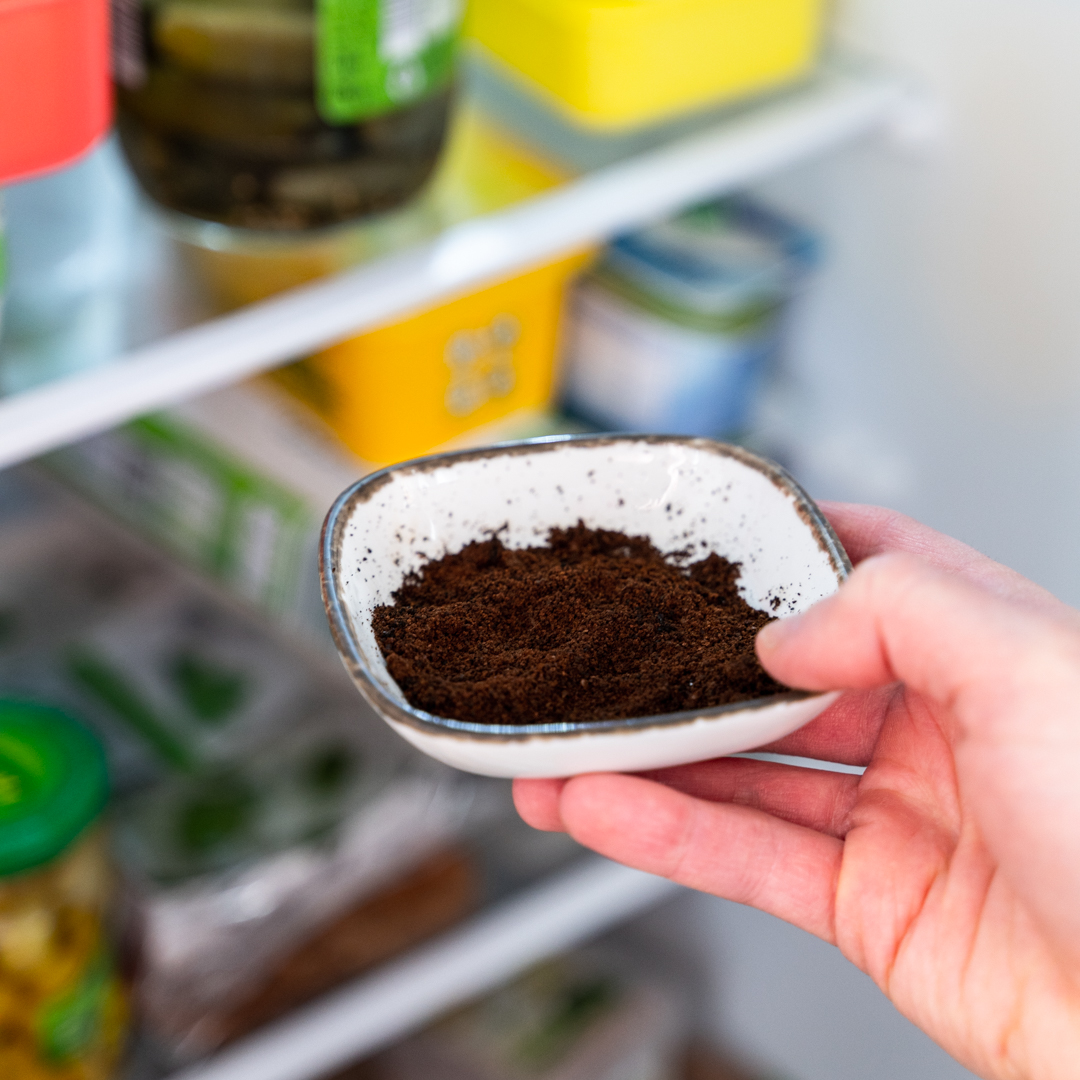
(899, 620)
(865, 634)
(814, 799)
(537, 801)
(817, 800)
(846, 732)
(866, 531)
(735, 852)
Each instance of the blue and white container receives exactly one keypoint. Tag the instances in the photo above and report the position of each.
(675, 329)
(69, 237)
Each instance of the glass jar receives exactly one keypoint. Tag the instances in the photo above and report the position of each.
(63, 1012)
(284, 114)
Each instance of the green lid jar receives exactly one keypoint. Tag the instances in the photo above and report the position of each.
(62, 1008)
(53, 784)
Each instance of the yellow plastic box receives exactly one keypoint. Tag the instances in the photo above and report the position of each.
(622, 63)
(462, 372)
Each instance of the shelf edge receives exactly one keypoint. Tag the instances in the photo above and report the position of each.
(376, 1010)
(833, 110)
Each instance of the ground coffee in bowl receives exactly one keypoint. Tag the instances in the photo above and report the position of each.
(567, 641)
(593, 625)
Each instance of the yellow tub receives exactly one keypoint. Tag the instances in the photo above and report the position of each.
(465, 371)
(621, 63)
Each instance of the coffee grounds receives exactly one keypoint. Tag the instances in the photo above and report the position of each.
(594, 625)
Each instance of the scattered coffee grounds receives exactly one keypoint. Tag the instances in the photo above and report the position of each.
(595, 625)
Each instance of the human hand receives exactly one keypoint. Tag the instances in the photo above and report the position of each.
(950, 870)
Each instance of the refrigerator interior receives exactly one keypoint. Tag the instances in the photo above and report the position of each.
(932, 368)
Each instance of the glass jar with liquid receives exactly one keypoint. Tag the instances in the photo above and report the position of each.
(284, 115)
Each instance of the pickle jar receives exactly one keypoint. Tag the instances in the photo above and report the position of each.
(63, 1013)
(283, 115)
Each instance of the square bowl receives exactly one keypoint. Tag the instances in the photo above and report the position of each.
(676, 491)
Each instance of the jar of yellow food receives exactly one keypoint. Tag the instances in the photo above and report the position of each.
(63, 1012)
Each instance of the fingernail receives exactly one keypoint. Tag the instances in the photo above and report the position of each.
(772, 635)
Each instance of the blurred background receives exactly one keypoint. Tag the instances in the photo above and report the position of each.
(253, 249)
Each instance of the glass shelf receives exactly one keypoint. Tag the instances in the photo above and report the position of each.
(435, 250)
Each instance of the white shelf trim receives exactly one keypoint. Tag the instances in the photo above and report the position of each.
(834, 109)
(374, 1012)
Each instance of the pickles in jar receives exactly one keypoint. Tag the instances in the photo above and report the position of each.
(63, 1010)
(284, 114)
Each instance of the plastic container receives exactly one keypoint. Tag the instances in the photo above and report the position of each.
(232, 868)
(55, 99)
(464, 370)
(69, 241)
(284, 114)
(62, 1008)
(235, 483)
(675, 329)
(620, 63)
(3, 266)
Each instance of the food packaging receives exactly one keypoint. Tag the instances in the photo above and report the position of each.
(70, 236)
(63, 1008)
(262, 811)
(55, 100)
(466, 370)
(484, 167)
(621, 63)
(588, 1015)
(235, 484)
(426, 900)
(284, 116)
(359, 389)
(232, 868)
(676, 328)
(193, 683)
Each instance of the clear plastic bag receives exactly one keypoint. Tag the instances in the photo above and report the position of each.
(233, 868)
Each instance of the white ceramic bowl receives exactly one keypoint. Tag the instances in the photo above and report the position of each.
(676, 491)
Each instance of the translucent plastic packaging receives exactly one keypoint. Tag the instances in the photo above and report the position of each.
(234, 867)
(273, 836)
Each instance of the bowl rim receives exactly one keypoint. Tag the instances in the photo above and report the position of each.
(361, 491)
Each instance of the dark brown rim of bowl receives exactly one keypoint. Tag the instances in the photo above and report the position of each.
(400, 711)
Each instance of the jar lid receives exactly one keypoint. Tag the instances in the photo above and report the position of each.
(53, 783)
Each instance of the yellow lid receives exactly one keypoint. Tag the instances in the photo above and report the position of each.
(621, 63)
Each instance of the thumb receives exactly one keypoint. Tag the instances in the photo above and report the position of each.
(1003, 679)
(899, 619)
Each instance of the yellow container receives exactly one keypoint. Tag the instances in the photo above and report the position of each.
(621, 63)
(465, 371)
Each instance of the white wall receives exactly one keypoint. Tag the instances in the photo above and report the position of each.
(938, 356)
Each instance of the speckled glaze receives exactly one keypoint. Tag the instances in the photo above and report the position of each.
(692, 495)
